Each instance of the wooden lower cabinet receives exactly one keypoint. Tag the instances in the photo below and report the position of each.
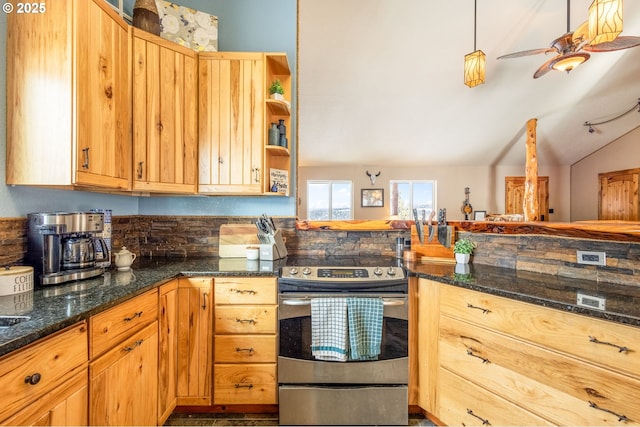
(195, 341)
(167, 350)
(124, 382)
(56, 393)
(246, 324)
(508, 362)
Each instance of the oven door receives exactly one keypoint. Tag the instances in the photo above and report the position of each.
(296, 365)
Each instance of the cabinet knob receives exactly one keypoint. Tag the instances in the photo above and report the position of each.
(32, 379)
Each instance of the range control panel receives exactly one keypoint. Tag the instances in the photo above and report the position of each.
(347, 274)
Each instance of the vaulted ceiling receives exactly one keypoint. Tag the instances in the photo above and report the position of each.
(381, 82)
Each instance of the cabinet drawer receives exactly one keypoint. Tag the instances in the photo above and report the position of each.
(245, 349)
(462, 403)
(113, 325)
(238, 290)
(555, 386)
(246, 319)
(577, 335)
(48, 363)
(245, 384)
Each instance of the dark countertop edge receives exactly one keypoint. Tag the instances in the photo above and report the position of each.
(42, 332)
(572, 308)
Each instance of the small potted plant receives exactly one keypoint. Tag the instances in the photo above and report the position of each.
(276, 90)
(463, 249)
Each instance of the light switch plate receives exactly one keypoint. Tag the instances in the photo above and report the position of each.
(592, 257)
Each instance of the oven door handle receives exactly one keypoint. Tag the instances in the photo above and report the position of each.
(307, 301)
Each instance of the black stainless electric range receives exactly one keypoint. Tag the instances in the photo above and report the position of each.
(316, 390)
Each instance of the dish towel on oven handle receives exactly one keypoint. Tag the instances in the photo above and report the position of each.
(329, 331)
(365, 327)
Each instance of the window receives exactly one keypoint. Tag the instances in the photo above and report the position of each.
(329, 200)
(124, 8)
(409, 195)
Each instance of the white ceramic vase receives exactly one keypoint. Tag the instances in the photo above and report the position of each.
(462, 258)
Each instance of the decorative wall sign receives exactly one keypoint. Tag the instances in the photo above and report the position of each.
(372, 197)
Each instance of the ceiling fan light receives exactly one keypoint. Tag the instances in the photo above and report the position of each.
(474, 65)
(605, 20)
(568, 62)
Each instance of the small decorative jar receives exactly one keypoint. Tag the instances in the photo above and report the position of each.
(274, 134)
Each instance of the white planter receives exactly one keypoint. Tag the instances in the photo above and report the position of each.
(462, 258)
(277, 96)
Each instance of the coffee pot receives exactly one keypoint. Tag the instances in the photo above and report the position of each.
(80, 251)
(124, 259)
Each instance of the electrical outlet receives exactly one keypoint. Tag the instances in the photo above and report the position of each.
(592, 258)
(591, 301)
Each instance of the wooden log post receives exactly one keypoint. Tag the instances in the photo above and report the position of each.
(530, 205)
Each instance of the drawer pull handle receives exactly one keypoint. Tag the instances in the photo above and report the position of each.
(620, 417)
(250, 349)
(129, 319)
(85, 162)
(249, 386)
(621, 349)
(244, 291)
(484, 310)
(132, 347)
(204, 301)
(484, 422)
(471, 353)
(246, 321)
(33, 379)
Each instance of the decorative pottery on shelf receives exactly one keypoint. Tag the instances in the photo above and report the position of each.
(146, 17)
(277, 96)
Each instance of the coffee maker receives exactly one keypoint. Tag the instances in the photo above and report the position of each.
(65, 246)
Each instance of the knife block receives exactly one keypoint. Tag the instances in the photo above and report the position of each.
(431, 248)
(275, 249)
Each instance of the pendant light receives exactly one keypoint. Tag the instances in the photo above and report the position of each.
(605, 20)
(474, 62)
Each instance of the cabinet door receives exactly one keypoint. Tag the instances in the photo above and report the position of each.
(231, 122)
(124, 382)
(66, 405)
(167, 350)
(195, 341)
(514, 196)
(164, 115)
(103, 97)
(619, 199)
(427, 343)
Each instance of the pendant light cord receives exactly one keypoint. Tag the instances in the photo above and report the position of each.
(475, 20)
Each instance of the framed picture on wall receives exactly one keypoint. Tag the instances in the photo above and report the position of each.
(372, 197)
(479, 215)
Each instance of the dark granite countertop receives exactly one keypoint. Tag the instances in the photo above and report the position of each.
(622, 302)
(53, 308)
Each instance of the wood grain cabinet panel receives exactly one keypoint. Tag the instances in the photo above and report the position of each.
(68, 97)
(167, 350)
(246, 325)
(580, 336)
(39, 380)
(195, 341)
(164, 115)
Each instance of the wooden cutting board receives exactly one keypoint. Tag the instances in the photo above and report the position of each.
(234, 239)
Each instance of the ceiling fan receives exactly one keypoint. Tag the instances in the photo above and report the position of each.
(571, 49)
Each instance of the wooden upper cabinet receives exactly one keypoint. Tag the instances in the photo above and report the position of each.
(68, 97)
(514, 195)
(619, 195)
(164, 115)
(231, 122)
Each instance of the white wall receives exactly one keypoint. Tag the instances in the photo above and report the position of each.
(486, 186)
(621, 154)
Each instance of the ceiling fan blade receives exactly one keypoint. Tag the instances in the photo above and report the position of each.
(619, 43)
(545, 68)
(529, 52)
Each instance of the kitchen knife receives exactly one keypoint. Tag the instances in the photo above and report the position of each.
(444, 231)
(418, 226)
(429, 223)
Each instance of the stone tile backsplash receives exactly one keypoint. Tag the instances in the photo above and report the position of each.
(197, 236)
